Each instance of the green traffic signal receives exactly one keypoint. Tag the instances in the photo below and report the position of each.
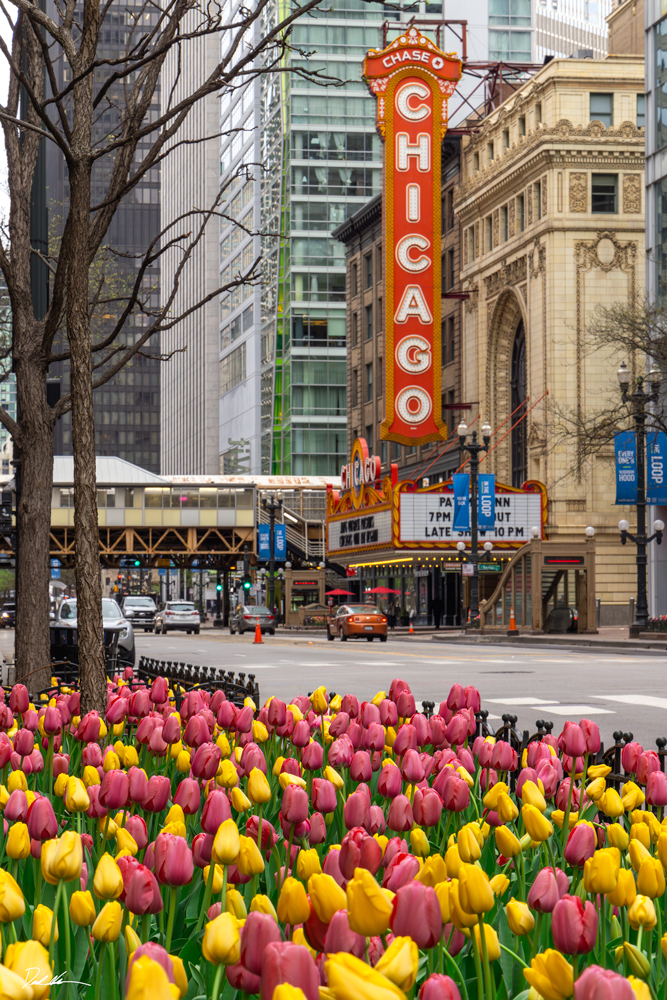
(218, 586)
(137, 562)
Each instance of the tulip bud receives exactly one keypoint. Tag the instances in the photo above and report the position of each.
(637, 960)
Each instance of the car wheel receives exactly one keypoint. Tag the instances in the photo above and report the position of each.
(164, 630)
(231, 631)
(343, 637)
(369, 638)
(329, 635)
(196, 631)
(383, 638)
(273, 631)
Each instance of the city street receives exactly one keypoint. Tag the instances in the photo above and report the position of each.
(620, 691)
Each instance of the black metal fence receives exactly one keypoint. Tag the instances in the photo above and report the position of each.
(184, 677)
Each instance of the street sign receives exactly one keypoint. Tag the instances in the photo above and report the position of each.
(490, 567)
(162, 572)
(264, 545)
(280, 542)
(55, 572)
(164, 562)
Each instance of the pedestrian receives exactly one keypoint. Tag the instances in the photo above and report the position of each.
(436, 608)
(391, 613)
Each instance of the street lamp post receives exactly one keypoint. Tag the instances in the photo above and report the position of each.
(638, 401)
(474, 449)
(272, 506)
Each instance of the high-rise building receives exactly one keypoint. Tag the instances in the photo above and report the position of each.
(565, 28)
(127, 408)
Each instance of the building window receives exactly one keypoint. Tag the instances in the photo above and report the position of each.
(451, 352)
(641, 105)
(517, 408)
(660, 89)
(471, 238)
(504, 224)
(369, 437)
(661, 240)
(602, 109)
(369, 270)
(380, 374)
(510, 46)
(369, 383)
(506, 138)
(520, 221)
(247, 318)
(604, 198)
(232, 369)
(475, 161)
(369, 322)
(537, 188)
(515, 12)
(489, 232)
(538, 113)
(522, 125)
(379, 314)
(451, 272)
(489, 150)
(355, 388)
(355, 328)
(354, 279)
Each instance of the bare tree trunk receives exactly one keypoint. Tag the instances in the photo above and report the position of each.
(32, 648)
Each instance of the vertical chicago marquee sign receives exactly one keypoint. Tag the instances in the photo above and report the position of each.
(412, 80)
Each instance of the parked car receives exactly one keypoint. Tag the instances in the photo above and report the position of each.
(177, 616)
(141, 610)
(357, 621)
(245, 618)
(64, 634)
(8, 616)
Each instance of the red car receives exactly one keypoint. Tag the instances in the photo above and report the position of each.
(357, 621)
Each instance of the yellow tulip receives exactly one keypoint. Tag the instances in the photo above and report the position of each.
(601, 871)
(222, 943)
(76, 796)
(30, 961)
(453, 861)
(332, 775)
(617, 837)
(293, 907)
(640, 988)
(307, 864)
(596, 789)
(131, 757)
(419, 843)
(278, 766)
(262, 904)
(17, 845)
(60, 785)
(106, 928)
(259, 789)
(598, 770)
(218, 876)
(223, 746)
(82, 908)
(235, 904)
(227, 776)
(492, 942)
(651, 878)
(400, 963)
(326, 896)
(175, 815)
(110, 762)
(611, 803)
(284, 991)
(641, 913)
(551, 975)
(663, 944)
(494, 793)
(351, 979)
(442, 891)
(368, 908)
(507, 809)
(148, 981)
(461, 917)
(108, 880)
(625, 890)
(250, 860)
(179, 974)
(12, 903)
(519, 917)
(226, 843)
(475, 892)
(632, 795)
(638, 853)
(183, 761)
(62, 858)
(260, 733)
(319, 700)
(132, 940)
(16, 780)
(433, 871)
(558, 817)
(13, 987)
(507, 843)
(531, 795)
(41, 925)
(640, 832)
(499, 883)
(537, 825)
(240, 801)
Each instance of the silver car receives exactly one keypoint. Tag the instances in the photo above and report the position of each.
(245, 618)
(141, 610)
(65, 636)
(179, 616)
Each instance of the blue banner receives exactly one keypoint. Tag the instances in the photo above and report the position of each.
(486, 502)
(656, 467)
(280, 543)
(461, 484)
(264, 533)
(625, 446)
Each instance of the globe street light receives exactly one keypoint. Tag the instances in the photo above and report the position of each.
(638, 401)
(474, 449)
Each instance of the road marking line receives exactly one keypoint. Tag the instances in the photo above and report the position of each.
(635, 699)
(520, 701)
(574, 709)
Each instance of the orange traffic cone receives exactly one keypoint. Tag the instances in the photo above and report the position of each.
(258, 633)
(411, 630)
(512, 630)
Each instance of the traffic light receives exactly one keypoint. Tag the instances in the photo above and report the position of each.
(247, 582)
(120, 577)
(137, 563)
(218, 587)
(6, 511)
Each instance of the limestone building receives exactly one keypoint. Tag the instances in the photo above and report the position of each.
(552, 215)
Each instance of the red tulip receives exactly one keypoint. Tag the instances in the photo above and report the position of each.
(581, 844)
(315, 929)
(95, 810)
(42, 822)
(215, 811)
(269, 835)
(140, 704)
(136, 826)
(253, 756)
(157, 744)
(227, 715)
(92, 755)
(277, 713)
(239, 978)
(312, 756)
(202, 847)
(244, 720)
(573, 740)
(89, 728)
(295, 804)
(116, 711)
(128, 866)
(339, 936)
(17, 806)
(173, 860)
(323, 795)
(356, 811)
(19, 699)
(360, 766)
(157, 793)
(24, 742)
(159, 690)
(137, 785)
(457, 730)
(341, 752)
(388, 713)
(196, 732)
(390, 782)
(143, 895)
(187, 796)
(339, 724)
(395, 845)
(359, 850)
(377, 821)
(318, 829)
(544, 893)
(438, 987)
(503, 757)
(374, 737)
(596, 983)
(416, 914)
(427, 807)
(206, 761)
(53, 722)
(259, 930)
(406, 739)
(412, 769)
(574, 925)
(171, 730)
(630, 754)
(114, 790)
(285, 962)
(401, 869)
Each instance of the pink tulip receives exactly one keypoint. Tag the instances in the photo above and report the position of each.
(159, 691)
(416, 914)
(581, 844)
(356, 811)
(656, 789)
(412, 769)
(630, 754)
(359, 850)
(339, 724)
(406, 739)
(285, 962)
(360, 766)
(339, 936)
(140, 704)
(206, 761)
(95, 810)
(573, 740)
(405, 705)
(427, 807)
(312, 756)
(269, 835)
(239, 977)
(136, 826)
(596, 983)
(17, 807)
(544, 893)
(202, 849)
(503, 757)
(137, 785)
(196, 732)
(115, 789)
(369, 713)
(438, 987)
(574, 925)
(244, 720)
(115, 713)
(295, 804)
(157, 744)
(89, 728)
(143, 895)
(647, 764)
(227, 714)
(318, 829)
(388, 713)
(187, 796)
(341, 752)
(24, 742)
(157, 954)
(19, 699)
(323, 795)
(258, 932)
(591, 735)
(92, 755)
(171, 730)
(401, 869)
(53, 722)
(173, 860)
(453, 790)
(374, 738)
(390, 783)
(215, 811)
(157, 793)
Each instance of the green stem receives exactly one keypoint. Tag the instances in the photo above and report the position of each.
(106, 831)
(478, 968)
(207, 896)
(218, 976)
(485, 954)
(536, 939)
(98, 978)
(68, 949)
(145, 927)
(603, 935)
(53, 921)
(223, 894)
(259, 828)
(173, 893)
(566, 817)
(112, 971)
(515, 956)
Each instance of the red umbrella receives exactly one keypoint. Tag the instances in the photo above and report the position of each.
(339, 593)
(382, 590)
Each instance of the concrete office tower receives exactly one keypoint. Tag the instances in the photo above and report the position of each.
(127, 408)
(566, 28)
(190, 182)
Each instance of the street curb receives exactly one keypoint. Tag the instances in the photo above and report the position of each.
(648, 646)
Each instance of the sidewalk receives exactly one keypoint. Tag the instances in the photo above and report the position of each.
(608, 637)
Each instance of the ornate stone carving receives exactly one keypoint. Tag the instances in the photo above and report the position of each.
(605, 252)
(510, 210)
(466, 240)
(537, 258)
(496, 227)
(543, 196)
(509, 274)
(473, 291)
(529, 203)
(632, 198)
(578, 192)
(478, 242)
(537, 441)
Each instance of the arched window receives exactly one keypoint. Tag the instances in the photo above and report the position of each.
(519, 451)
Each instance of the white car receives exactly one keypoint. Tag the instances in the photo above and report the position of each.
(177, 616)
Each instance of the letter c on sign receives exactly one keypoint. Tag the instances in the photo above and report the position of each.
(413, 404)
(403, 95)
(403, 248)
(413, 355)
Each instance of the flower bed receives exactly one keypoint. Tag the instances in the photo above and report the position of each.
(322, 849)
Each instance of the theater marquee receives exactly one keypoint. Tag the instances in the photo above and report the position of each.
(412, 80)
(369, 516)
